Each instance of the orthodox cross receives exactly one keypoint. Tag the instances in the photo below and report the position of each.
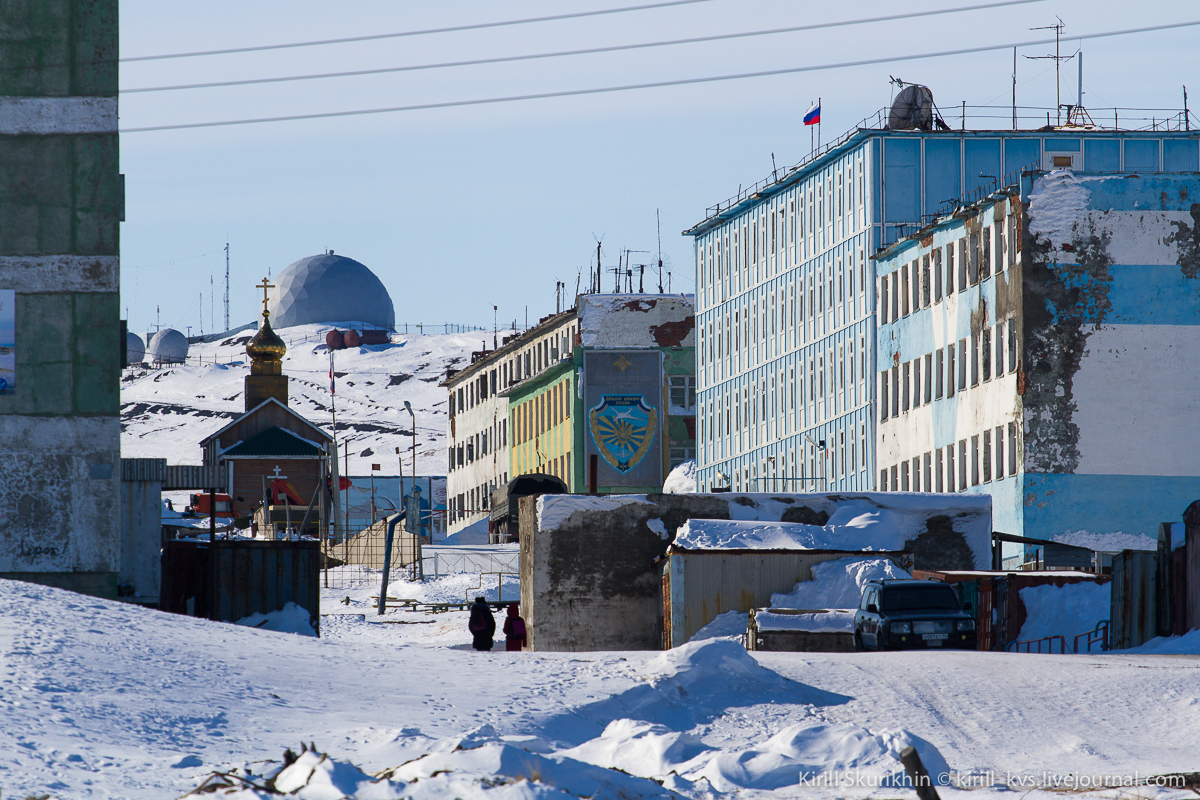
(264, 286)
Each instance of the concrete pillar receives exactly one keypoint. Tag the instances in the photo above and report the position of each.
(61, 201)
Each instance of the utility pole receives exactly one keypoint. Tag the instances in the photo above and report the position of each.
(1014, 88)
(227, 286)
(658, 223)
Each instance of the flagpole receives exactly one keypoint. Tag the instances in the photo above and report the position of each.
(818, 123)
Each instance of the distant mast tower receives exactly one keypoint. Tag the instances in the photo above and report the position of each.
(227, 286)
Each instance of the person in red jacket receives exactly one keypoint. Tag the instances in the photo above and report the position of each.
(514, 629)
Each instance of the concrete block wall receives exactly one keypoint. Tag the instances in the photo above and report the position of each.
(61, 202)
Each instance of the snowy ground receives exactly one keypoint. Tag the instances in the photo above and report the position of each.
(165, 412)
(102, 699)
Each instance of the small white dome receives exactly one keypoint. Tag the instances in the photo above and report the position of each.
(168, 346)
(135, 349)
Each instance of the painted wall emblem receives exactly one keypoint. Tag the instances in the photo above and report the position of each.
(623, 429)
(8, 339)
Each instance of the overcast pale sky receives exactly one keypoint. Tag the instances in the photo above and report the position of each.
(460, 209)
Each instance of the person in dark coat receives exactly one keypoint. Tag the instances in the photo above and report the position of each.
(514, 629)
(482, 624)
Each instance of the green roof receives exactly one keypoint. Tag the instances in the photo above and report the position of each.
(274, 441)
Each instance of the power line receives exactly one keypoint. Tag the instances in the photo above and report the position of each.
(650, 85)
(424, 32)
(584, 51)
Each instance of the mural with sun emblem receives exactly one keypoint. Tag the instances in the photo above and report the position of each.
(623, 429)
(624, 419)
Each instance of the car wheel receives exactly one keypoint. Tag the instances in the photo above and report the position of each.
(858, 642)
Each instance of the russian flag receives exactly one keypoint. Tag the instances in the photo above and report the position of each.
(813, 115)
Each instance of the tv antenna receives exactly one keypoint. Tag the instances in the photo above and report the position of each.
(1058, 59)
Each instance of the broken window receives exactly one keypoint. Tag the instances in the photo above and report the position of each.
(916, 376)
(962, 264)
(999, 452)
(926, 288)
(974, 359)
(985, 264)
(906, 389)
(950, 468)
(883, 395)
(929, 378)
(939, 477)
(904, 289)
(937, 275)
(962, 464)
(985, 353)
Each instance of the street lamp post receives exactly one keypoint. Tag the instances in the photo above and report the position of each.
(417, 521)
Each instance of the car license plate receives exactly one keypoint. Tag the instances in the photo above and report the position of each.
(935, 637)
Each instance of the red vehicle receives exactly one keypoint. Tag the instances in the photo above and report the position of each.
(224, 504)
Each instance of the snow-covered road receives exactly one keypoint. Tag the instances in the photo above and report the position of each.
(103, 699)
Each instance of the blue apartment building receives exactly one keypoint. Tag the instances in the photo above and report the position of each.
(792, 350)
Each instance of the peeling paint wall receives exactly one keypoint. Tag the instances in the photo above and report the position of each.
(60, 206)
(637, 320)
(1112, 328)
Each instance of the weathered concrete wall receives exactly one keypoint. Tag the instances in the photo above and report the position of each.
(1112, 337)
(60, 206)
(637, 320)
(589, 578)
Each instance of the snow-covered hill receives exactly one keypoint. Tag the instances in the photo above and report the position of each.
(165, 412)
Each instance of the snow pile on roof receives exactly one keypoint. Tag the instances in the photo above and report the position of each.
(1113, 542)
(1057, 202)
(682, 479)
(1064, 610)
(838, 620)
(555, 509)
(838, 583)
(290, 619)
(855, 525)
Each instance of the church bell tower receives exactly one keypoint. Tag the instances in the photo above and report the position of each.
(266, 350)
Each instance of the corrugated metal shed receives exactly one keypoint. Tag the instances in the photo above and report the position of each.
(230, 580)
(144, 469)
(700, 585)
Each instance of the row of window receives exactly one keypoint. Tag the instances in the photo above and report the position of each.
(792, 226)
(541, 413)
(530, 361)
(940, 374)
(478, 445)
(954, 468)
(776, 404)
(933, 276)
(774, 322)
(828, 462)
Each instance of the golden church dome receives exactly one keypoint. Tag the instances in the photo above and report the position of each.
(266, 344)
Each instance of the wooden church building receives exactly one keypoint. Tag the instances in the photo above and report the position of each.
(269, 444)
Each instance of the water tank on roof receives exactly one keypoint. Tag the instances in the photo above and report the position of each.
(135, 349)
(912, 109)
(168, 346)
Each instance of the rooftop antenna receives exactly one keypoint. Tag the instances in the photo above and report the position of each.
(641, 278)
(1058, 59)
(227, 286)
(658, 220)
(578, 280)
(495, 327)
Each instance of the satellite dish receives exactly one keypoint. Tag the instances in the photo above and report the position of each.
(912, 109)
